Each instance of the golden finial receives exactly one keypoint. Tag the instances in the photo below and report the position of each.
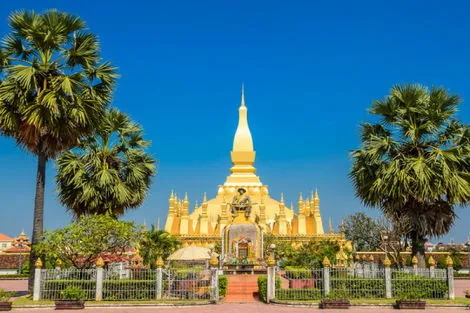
(204, 198)
(282, 198)
(159, 262)
(214, 261)
(270, 261)
(431, 261)
(316, 194)
(38, 263)
(371, 258)
(292, 206)
(300, 198)
(414, 260)
(449, 261)
(387, 261)
(172, 195)
(99, 262)
(326, 262)
(242, 103)
(58, 263)
(186, 197)
(196, 204)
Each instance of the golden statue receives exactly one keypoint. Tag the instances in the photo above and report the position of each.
(241, 202)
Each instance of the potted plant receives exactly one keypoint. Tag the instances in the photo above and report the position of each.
(5, 295)
(336, 299)
(71, 298)
(410, 300)
(467, 293)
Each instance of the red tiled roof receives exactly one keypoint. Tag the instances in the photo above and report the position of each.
(5, 238)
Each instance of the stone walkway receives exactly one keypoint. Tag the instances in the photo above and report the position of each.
(245, 308)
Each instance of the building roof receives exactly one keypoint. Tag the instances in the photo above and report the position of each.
(17, 249)
(4, 237)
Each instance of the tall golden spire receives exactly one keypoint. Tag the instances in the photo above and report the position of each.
(243, 155)
(243, 140)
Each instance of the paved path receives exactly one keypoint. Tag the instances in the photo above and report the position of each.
(460, 285)
(237, 308)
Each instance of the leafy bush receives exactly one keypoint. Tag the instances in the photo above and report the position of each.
(222, 285)
(73, 293)
(263, 286)
(5, 295)
(411, 295)
(456, 274)
(295, 272)
(424, 287)
(299, 294)
(339, 294)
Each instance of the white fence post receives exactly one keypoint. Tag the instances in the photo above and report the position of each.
(159, 263)
(388, 277)
(99, 279)
(326, 276)
(37, 280)
(214, 263)
(450, 277)
(271, 283)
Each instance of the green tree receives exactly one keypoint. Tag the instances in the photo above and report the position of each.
(109, 171)
(414, 162)
(364, 231)
(90, 236)
(283, 249)
(311, 254)
(157, 243)
(53, 89)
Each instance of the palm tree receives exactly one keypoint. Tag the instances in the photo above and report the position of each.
(157, 243)
(109, 171)
(53, 90)
(414, 162)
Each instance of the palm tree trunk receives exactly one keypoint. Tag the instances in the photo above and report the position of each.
(417, 248)
(38, 221)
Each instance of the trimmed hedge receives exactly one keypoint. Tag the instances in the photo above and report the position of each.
(52, 288)
(131, 289)
(222, 285)
(364, 288)
(426, 288)
(13, 276)
(124, 289)
(263, 286)
(294, 272)
(299, 294)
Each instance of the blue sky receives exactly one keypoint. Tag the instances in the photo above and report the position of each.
(310, 68)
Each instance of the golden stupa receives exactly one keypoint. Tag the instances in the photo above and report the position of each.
(205, 225)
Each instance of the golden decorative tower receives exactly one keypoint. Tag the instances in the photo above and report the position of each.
(206, 223)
